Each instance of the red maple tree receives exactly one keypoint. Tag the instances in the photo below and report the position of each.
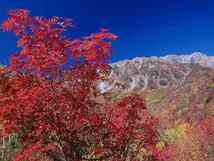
(46, 97)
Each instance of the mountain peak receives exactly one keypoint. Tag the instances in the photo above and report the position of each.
(194, 58)
(198, 53)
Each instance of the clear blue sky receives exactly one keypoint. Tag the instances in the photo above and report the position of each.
(144, 27)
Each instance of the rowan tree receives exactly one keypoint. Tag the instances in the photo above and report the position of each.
(46, 97)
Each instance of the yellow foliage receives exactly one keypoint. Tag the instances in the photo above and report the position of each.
(160, 145)
(211, 85)
(172, 135)
(188, 145)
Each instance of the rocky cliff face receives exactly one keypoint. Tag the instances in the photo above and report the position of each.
(155, 72)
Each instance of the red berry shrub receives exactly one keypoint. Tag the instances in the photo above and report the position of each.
(46, 97)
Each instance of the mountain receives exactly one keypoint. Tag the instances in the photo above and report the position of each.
(175, 87)
(143, 73)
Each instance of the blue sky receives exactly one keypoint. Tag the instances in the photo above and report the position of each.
(144, 27)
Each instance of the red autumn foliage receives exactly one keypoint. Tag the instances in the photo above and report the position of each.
(206, 129)
(49, 103)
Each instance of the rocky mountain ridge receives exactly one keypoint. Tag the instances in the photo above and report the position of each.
(194, 58)
(155, 72)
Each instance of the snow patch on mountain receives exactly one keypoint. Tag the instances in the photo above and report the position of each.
(194, 58)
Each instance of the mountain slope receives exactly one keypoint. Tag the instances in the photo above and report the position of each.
(174, 91)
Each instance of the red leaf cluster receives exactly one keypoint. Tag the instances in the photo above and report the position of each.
(50, 106)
